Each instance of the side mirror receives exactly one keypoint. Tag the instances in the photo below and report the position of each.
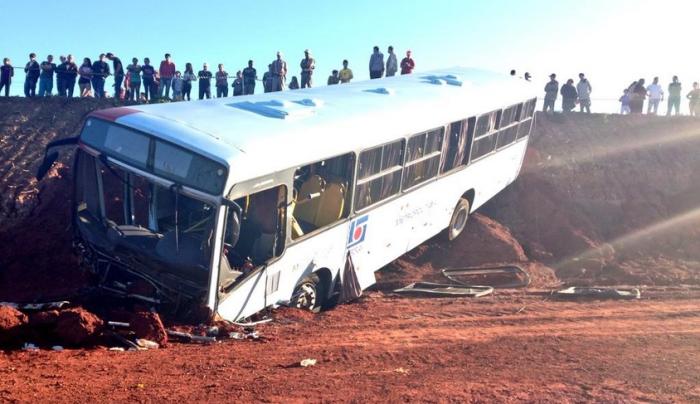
(46, 165)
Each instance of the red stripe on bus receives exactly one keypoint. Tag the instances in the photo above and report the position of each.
(112, 114)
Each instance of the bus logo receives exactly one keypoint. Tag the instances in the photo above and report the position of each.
(358, 229)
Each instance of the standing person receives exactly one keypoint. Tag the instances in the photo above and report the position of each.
(638, 93)
(279, 73)
(32, 71)
(694, 100)
(308, 64)
(568, 96)
(249, 77)
(204, 82)
(267, 79)
(7, 72)
(584, 93)
(100, 71)
(71, 75)
(221, 82)
(376, 64)
(238, 84)
(178, 84)
(148, 73)
(118, 71)
(294, 83)
(48, 67)
(188, 78)
(61, 76)
(625, 102)
(551, 92)
(133, 74)
(392, 65)
(656, 95)
(333, 78)
(674, 96)
(407, 64)
(85, 73)
(345, 73)
(167, 72)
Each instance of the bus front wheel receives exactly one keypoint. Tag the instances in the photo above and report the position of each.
(308, 294)
(459, 219)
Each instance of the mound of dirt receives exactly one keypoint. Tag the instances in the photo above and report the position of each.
(11, 323)
(148, 325)
(77, 326)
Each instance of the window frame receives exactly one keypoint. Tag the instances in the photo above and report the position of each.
(381, 173)
(425, 157)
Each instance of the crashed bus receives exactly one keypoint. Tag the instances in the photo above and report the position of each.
(236, 204)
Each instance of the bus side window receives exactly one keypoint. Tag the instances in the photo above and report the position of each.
(321, 194)
(422, 159)
(456, 149)
(379, 174)
(485, 135)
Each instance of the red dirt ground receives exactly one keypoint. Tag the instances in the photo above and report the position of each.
(601, 200)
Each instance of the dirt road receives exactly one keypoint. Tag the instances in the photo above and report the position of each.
(509, 347)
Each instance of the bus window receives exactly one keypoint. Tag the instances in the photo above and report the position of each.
(509, 116)
(529, 109)
(524, 128)
(483, 146)
(422, 157)
(507, 136)
(487, 123)
(262, 230)
(457, 144)
(321, 194)
(379, 174)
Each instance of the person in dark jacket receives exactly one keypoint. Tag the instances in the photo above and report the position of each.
(100, 71)
(569, 96)
(333, 79)
(638, 93)
(249, 77)
(267, 79)
(32, 71)
(6, 74)
(551, 91)
(238, 84)
(294, 83)
(48, 67)
(308, 64)
(148, 73)
(71, 75)
(61, 76)
(205, 82)
(118, 73)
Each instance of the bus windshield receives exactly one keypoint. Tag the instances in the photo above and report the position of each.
(145, 225)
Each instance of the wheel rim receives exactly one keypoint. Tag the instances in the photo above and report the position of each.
(306, 297)
(460, 220)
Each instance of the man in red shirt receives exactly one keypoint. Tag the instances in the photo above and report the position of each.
(407, 64)
(167, 72)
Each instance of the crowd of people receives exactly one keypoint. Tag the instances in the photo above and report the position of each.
(632, 99)
(143, 82)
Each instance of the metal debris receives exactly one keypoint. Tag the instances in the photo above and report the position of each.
(575, 292)
(500, 277)
(191, 337)
(305, 363)
(438, 289)
(147, 343)
(36, 306)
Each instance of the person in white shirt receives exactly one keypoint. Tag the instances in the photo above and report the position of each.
(656, 95)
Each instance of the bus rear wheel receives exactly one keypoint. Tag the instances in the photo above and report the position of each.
(459, 219)
(308, 294)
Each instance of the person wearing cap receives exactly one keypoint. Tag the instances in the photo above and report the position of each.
(6, 74)
(32, 71)
(100, 71)
(407, 64)
(249, 77)
(167, 72)
(345, 73)
(204, 82)
(584, 93)
(376, 64)
(118, 69)
(308, 64)
(551, 91)
(392, 66)
(48, 67)
(279, 73)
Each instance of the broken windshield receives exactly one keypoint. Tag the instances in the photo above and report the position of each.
(144, 223)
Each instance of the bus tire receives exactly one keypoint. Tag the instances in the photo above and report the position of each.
(308, 294)
(459, 219)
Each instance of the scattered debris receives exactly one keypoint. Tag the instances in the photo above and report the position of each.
(191, 337)
(36, 306)
(57, 348)
(501, 277)
(147, 325)
(116, 349)
(305, 363)
(401, 371)
(438, 289)
(146, 344)
(118, 324)
(28, 346)
(575, 292)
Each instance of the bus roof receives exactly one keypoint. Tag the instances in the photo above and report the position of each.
(259, 134)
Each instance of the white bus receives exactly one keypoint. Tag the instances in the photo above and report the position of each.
(238, 204)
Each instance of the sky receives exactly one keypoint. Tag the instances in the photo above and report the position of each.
(613, 41)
